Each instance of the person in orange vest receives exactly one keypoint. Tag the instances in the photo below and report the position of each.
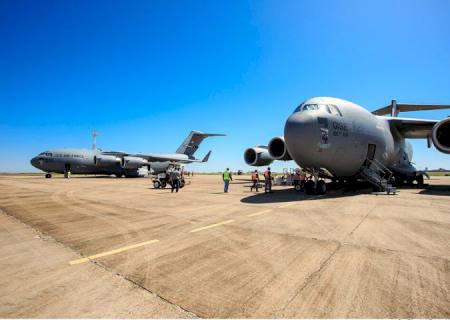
(255, 179)
(268, 180)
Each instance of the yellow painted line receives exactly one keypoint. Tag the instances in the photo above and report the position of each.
(287, 205)
(108, 253)
(258, 213)
(212, 226)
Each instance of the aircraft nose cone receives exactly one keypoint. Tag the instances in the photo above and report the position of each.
(35, 162)
(300, 136)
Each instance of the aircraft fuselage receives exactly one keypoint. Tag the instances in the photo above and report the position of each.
(81, 161)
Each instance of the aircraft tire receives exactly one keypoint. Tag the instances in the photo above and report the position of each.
(298, 187)
(156, 184)
(321, 187)
(419, 180)
(48, 175)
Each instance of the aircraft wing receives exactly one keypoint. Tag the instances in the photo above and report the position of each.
(159, 157)
(412, 128)
(394, 108)
(163, 157)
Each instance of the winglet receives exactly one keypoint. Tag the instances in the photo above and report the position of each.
(206, 158)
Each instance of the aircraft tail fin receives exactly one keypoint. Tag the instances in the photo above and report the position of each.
(193, 141)
(206, 158)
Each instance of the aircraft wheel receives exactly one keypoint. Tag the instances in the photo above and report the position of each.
(399, 182)
(419, 180)
(156, 184)
(309, 187)
(298, 187)
(48, 175)
(321, 187)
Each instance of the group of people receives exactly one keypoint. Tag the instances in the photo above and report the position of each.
(175, 175)
(227, 177)
(267, 181)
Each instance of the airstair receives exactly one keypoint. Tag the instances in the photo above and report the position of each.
(378, 175)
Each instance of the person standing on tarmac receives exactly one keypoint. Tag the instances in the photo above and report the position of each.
(302, 181)
(175, 178)
(255, 179)
(268, 180)
(226, 176)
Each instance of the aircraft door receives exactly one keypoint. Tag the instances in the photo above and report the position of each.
(371, 151)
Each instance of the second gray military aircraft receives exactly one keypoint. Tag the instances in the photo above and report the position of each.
(95, 161)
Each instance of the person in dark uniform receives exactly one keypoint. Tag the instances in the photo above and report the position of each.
(175, 177)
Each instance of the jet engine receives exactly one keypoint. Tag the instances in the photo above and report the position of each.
(104, 160)
(133, 162)
(441, 135)
(278, 149)
(258, 156)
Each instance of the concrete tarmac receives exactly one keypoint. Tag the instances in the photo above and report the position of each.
(107, 247)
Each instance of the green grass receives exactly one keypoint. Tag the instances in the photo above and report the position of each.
(438, 173)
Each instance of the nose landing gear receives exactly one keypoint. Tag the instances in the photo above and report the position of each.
(48, 175)
(317, 186)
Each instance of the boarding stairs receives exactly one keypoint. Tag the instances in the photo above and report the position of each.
(378, 175)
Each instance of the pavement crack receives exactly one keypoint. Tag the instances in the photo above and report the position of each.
(314, 275)
(362, 220)
(106, 268)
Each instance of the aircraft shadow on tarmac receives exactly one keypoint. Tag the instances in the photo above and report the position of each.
(288, 195)
(436, 190)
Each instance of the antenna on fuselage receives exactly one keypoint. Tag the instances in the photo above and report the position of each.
(95, 133)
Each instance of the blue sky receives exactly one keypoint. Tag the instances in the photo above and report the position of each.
(144, 73)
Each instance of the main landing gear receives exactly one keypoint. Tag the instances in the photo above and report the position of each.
(401, 180)
(48, 175)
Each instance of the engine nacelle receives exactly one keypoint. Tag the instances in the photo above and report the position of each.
(257, 156)
(103, 160)
(133, 162)
(441, 135)
(278, 149)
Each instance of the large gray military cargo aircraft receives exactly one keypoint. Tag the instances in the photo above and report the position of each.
(95, 161)
(340, 140)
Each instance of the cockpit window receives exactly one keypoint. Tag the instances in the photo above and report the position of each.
(308, 107)
(312, 106)
(299, 108)
(46, 153)
(335, 110)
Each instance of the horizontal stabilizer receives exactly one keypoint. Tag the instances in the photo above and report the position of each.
(394, 108)
(206, 158)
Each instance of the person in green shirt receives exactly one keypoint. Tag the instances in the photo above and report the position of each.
(226, 176)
